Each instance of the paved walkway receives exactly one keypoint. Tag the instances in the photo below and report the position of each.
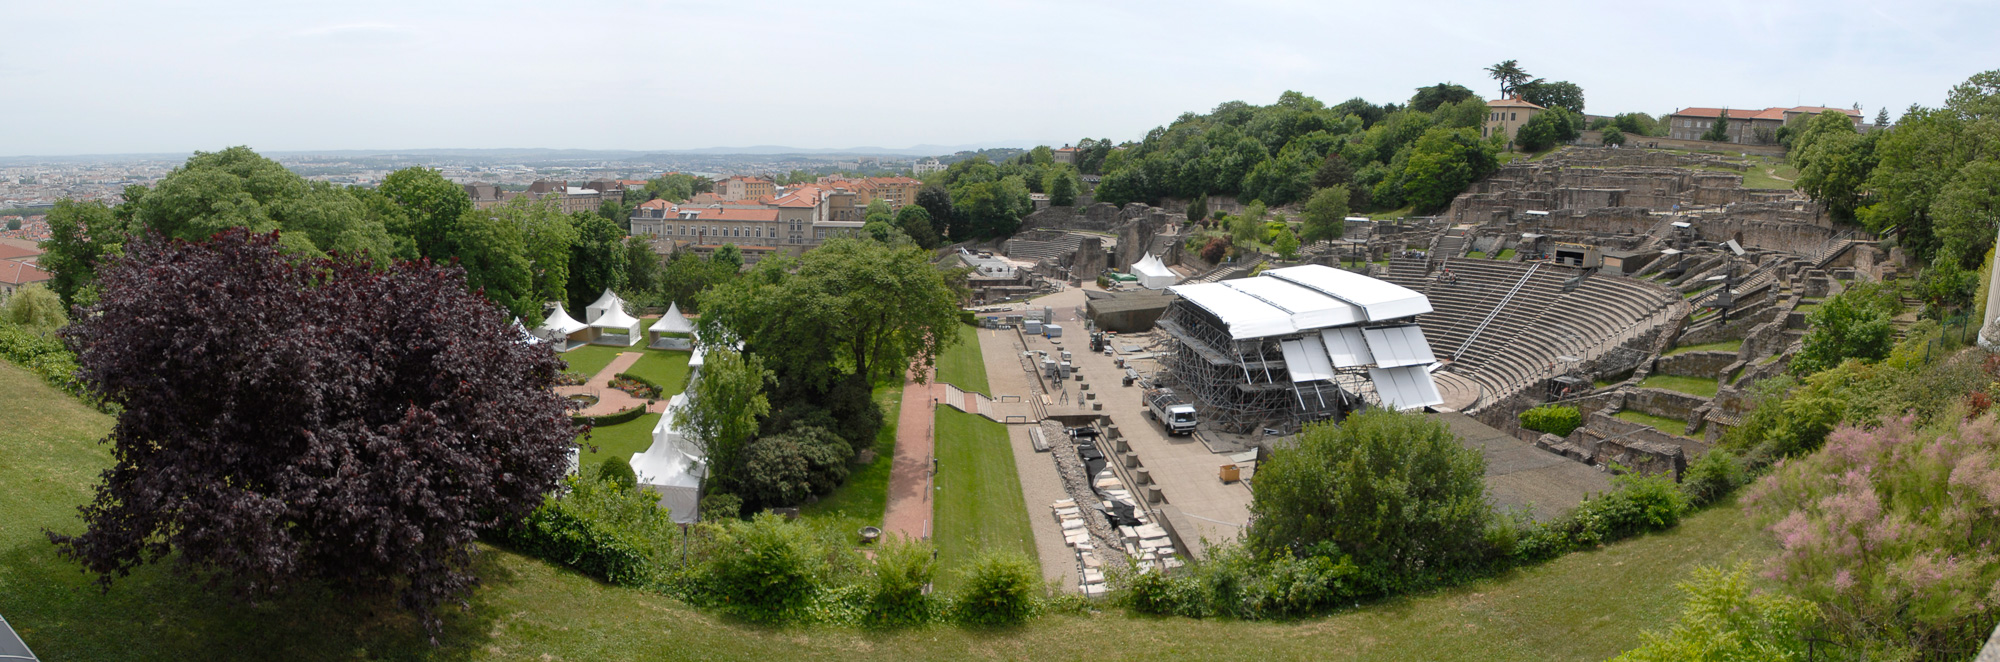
(909, 510)
(611, 400)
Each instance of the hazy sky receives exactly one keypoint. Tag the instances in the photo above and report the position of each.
(87, 77)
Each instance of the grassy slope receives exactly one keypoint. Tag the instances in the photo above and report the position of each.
(979, 502)
(1586, 606)
(863, 498)
(962, 365)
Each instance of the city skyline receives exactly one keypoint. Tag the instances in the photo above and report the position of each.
(113, 79)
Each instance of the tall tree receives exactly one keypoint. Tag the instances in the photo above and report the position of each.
(493, 253)
(642, 266)
(433, 205)
(721, 412)
(1429, 98)
(850, 308)
(1061, 185)
(411, 418)
(915, 222)
(936, 200)
(1882, 117)
(1197, 209)
(596, 260)
(1559, 94)
(547, 236)
(82, 236)
(1510, 75)
(1325, 215)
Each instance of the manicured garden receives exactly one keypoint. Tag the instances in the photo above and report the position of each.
(862, 499)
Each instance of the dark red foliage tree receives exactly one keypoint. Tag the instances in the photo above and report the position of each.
(286, 419)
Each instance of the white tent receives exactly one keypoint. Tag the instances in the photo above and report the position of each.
(608, 316)
(526, 337)
(673, 467)
(1153, 274)
(560, 328)
(673, 331)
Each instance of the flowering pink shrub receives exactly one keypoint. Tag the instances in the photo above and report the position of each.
(1891, 531)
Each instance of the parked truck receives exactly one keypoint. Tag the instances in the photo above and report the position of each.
(1176, 416)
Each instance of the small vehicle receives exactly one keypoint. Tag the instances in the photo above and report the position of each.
(1176, 416)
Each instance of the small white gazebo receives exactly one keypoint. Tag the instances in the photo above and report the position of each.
(673, 331)
(614, 326)
(525, 336)
(563, 330)
(1153, 274)
(673, 467)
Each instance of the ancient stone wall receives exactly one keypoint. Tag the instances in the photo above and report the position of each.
(1696, 364)
(1662, 402)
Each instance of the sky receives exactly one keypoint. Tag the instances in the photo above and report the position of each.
(86, 77)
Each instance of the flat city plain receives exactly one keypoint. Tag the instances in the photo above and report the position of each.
(1586, 606)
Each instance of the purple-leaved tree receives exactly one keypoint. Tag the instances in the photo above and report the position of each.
(285, 419)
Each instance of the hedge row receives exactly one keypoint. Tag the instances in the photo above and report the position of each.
(41, 354)
(658, 391)
(625, 416)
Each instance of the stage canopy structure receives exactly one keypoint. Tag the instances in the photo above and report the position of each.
(1295, 345)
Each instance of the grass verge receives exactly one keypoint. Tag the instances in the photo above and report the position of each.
(621, 440)
(978, 498)
(963, 366)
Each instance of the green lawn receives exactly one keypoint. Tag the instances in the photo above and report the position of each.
(978, 500)
(621, 440)
(1475, 255)
(1391, 215)
(963, 366)
(587, 360)
(1673, 426)
(862, 499)
(1702, 386)
(1724, 346)
(1585, 606)
(1504, 255)
(666, 368)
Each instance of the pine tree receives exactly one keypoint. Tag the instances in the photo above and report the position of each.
(1882, 117)
(1719, 131)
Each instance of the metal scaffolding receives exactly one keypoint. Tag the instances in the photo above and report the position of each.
(1244, 385)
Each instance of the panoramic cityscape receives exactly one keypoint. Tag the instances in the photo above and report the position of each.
(1197, 332)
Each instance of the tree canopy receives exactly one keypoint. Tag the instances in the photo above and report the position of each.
(284, 420)
(852, 308)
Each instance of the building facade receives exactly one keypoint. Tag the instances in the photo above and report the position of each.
(742, 187)
(1505, 117)
(1745, 127)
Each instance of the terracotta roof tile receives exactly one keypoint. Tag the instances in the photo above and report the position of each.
(21, 273)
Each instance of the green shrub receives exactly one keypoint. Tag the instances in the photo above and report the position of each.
(608, 420)
(903, 570)
(649, 384)
(1394, 491)
(42, 354)
(999, 588)
(1558, 420)
(720, 506)
(615, 534)
(1724, 619)
(1157, 593)
(765, 569)
(617, 471)
(1716, 474)
(1639, 504)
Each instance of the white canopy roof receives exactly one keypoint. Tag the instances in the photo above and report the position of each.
(608, 302)
(616, 318)
(1398, 346)
(672, 467)
(526, 337)
(1408, 387)
(673, 322)
(1152, 273)
(560, 324)
(1382, 299)
(1298, 299)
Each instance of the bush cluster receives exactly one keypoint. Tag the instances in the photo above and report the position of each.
(1558, 420)
(1639, 504)
(42, 354)
(606, 420)
(603, 529)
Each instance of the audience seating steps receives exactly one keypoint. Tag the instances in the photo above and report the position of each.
(1037, 250)
(1539, 324)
